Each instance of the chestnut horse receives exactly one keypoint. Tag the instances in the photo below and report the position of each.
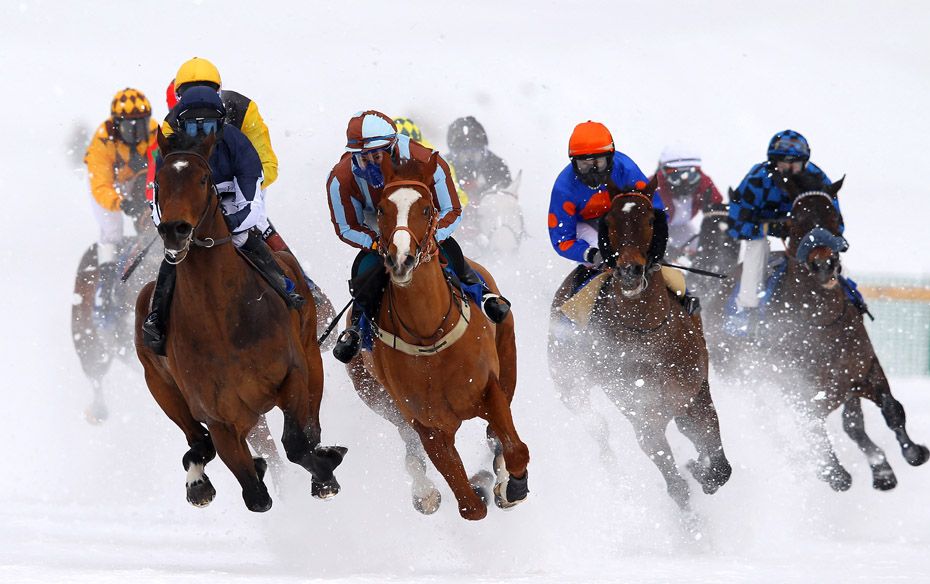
(437, 355)
(234, 349)
(644, 350)
(814, 338)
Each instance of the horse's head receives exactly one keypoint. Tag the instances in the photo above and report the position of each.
(184, 191)
(406, 217)
(626, 237)
(814, 238)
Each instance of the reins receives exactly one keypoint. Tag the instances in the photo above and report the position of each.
(206, 242)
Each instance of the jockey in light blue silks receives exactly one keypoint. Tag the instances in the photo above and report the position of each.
(758, 208)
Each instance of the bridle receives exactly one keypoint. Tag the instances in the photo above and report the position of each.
(425, 249)
(612, 255)
(207, 242)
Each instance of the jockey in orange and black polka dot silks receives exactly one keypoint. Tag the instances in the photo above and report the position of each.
(579, 197)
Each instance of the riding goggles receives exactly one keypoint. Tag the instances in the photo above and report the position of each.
(690, 175)
(589, 164)
(134, 130)
(206, 126)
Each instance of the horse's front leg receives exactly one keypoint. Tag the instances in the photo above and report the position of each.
(230, 445)
(511, 461)
(883, 477)
(651, 437)
(893, 412)
(262, 443)
(829, 468)
(440, 446)
(701, 426)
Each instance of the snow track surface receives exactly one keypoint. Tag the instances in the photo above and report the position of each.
(106, 504)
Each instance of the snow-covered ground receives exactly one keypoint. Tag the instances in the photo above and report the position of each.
(106, 504)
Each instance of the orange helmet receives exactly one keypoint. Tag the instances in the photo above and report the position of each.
(130, 103)
(590, 138)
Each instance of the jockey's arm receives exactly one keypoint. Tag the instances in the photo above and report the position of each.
(345, 212)
(563, 226)
(255, 129)
(100, 158)
(446, 199)
(743, 210)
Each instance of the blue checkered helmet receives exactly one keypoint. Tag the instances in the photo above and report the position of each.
(789, 144)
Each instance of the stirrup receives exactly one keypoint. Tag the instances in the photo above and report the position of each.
(153, 336)
(692, 304)
(495, 311)
(347, 345)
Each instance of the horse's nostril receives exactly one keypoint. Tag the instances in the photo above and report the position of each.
(183, 230)
(389, 259)
(409, 261)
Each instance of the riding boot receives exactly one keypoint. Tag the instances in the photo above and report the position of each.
(107, 275)
(494, 306)
(260, 255)
(691, 303)
(154, 333)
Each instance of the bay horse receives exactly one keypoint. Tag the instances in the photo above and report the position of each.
(437, 360)
(814, 337)
(234, 349)
(643, 349)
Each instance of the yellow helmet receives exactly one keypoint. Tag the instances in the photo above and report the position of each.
(197, 70)
(408, 127)
(130, 103)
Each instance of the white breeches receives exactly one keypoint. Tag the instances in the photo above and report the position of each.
(755, 260)
(111, 232)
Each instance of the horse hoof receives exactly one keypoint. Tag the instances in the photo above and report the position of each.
(481, 484)
(330, 456)
(710, 478)
(474, 513)
(96, 414)
(512, 492)
(429, 504)
(260, 503)
(201, 493)
(838, 479)
(916, 454)
(884, 481)
(324, 490)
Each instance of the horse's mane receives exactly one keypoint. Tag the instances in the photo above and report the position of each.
(409, 169)
(804, 182)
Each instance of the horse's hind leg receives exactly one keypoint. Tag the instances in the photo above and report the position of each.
(512, 487)
(262, 443)
(883, 477)
(230, 445)
(440, 446)
(701, 426)
(829, 468)
(893, 412)
(652, 441)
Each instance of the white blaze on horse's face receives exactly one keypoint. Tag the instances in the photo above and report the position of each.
(180, 165)
(402, 269)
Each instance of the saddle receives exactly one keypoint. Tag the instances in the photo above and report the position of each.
(579, 307)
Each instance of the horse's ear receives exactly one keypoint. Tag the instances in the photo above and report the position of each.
(835, 187)
(652, 185)
(432, 163)
(612, 189)
(788, 183)
(162, 140)
(514, 188)
(205, 147)
(387, 167)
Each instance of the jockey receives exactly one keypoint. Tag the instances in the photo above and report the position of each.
(480, 170)
(758, 209)
(409, 128)
(237, 176)
(116, 163)
(355, 186)
(686, 193)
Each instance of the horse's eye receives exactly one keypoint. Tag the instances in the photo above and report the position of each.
(203, 180)
(380, 212)
(426, 211)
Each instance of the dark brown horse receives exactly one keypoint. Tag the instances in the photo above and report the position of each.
(234, 349)
(439, 358)
(815, 341)
(644, 350)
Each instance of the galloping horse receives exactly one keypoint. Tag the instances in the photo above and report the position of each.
(643, 349)
(816, 341)
(439, 358)
(234, 350)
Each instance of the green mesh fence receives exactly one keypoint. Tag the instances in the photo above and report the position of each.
(901, 330)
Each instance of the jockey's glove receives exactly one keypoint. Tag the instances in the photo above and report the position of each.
(593, 256)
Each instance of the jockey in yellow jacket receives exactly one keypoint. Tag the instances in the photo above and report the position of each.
(116, 165)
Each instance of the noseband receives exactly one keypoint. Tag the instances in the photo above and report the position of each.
(206, 242)
(425, 249)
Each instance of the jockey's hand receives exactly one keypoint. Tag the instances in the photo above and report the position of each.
(777, 229)
(132, 206)
(593, 256)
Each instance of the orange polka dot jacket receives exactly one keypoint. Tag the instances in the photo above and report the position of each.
(574, 202)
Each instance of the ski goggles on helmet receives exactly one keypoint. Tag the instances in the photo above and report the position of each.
(206, 126)
(591, 163)
(689, 175)
(133, 130)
